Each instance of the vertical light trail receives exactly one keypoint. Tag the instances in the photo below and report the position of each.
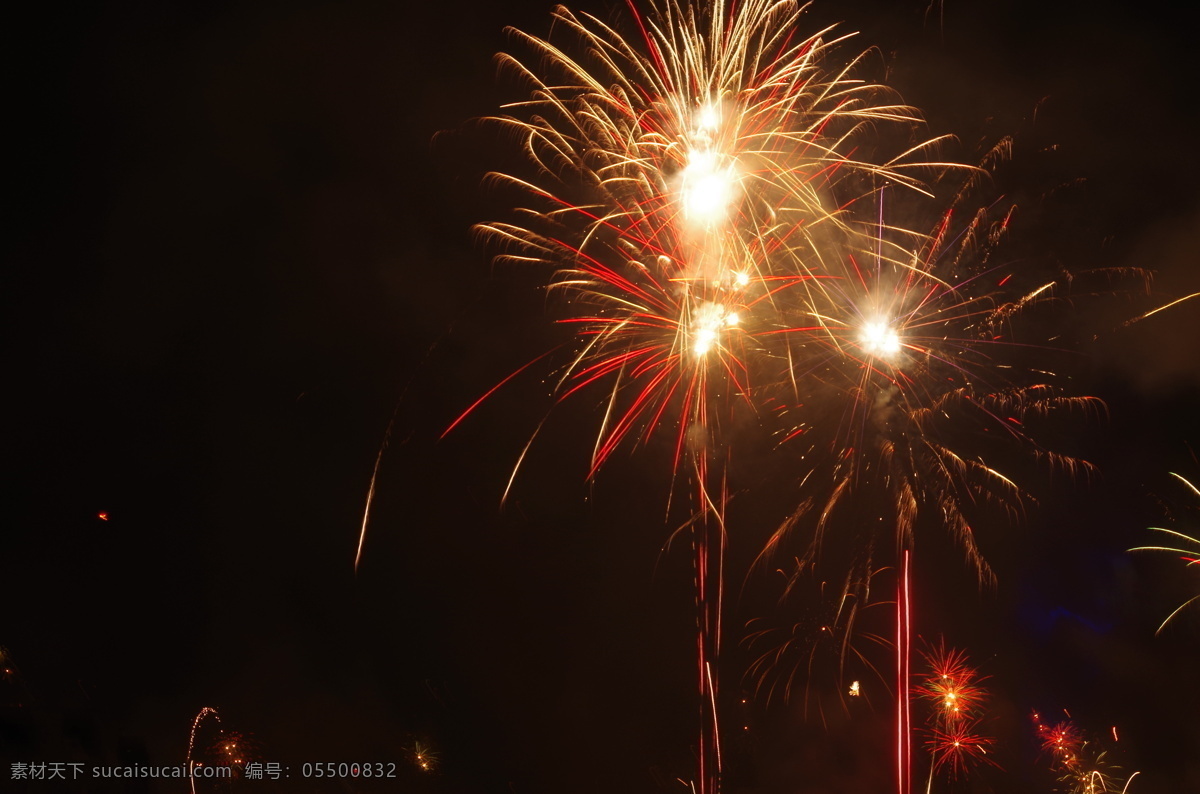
(716, 730)
(708, 607)
(701, 563)
(907, 654)
(903, 715)
(710, 591)
(362, 532)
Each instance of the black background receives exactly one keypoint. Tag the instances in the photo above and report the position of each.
(239, 249)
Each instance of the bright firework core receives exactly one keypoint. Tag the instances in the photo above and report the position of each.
(708, 118)
(707, 322)
(879, 339)
(709, 178)
(708, 187)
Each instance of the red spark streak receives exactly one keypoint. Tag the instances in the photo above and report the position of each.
(489, 393)
(903, 717)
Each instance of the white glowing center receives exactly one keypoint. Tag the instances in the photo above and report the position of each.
(707, 322)
(709, 178)
(708, 187)
(880, 339)
(708, 118)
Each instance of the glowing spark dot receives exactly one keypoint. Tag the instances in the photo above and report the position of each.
(741, 279)
(425, 759)
(855, 690)
(102, 516)
(880, 339)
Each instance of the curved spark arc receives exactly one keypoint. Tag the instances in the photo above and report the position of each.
(200, 715)
(1186, 547)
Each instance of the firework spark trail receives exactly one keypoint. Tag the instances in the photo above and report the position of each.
(204, 712)
(1187, 547)
(362, 532)
(903, 676)
(1162, 308)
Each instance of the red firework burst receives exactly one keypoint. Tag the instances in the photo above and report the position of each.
(959, 747)
(952, 687)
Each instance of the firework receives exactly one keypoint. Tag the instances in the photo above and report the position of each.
(1187, 547)
(952, 688)
(234, 750)
(1082, 766)
(1169, 305)
(1062, 740)
(822, 644)
(672, 169)
(676, 174)
(912, 372)
(907, 373)
(423, 757)
(957, 747)
(713, 204)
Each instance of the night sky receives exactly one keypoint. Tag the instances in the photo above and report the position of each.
(240, 259)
